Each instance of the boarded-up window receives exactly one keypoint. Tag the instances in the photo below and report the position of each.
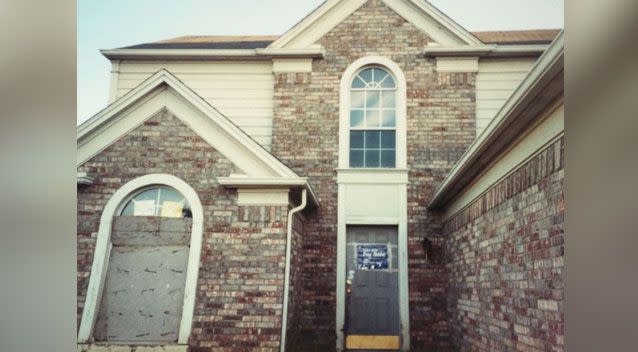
(144, 286)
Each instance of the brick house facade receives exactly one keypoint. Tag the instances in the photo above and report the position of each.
(478, 268)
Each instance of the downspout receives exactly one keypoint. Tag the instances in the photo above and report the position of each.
(284, 317)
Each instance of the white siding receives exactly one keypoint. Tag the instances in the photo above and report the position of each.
(495, 82)
(243, 91)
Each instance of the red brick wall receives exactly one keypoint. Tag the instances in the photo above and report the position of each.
(293, 337)
(440, 122)
(505, 255)
(239, 294)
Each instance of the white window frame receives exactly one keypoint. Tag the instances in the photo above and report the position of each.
(344, 109)
(103, 248)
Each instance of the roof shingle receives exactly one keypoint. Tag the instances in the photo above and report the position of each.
(534, 36)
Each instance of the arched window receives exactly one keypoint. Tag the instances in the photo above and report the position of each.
(373, 119)
(165, 192)
(157, 201)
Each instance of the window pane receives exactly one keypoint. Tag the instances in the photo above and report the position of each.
(356, 118)
(172, 203)
(380, 75)
(356, 139)
(388, 158)
(143, 203)
(366, 75)
(389, 100)
(372, 100)
(388, 139)
(150, 194)
(373, 139)
(373, 118)
(358, 100)
(372, 158)
(358, 83)
(356, 158)
(388, 83)
(159, 201)
(389, 118)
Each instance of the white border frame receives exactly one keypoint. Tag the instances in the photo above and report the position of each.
(103, 248)
(399, 179)
(344, 108)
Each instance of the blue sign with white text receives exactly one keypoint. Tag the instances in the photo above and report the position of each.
(372, 256)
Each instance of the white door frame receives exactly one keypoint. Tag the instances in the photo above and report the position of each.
(103, 248)
(393, 178)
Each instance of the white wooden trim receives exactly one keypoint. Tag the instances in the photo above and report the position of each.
(444, 20)
(404, 295)
(103, 247)
(492, 50)
(344, 108)
(420, 13)
(432, 22)
(398, 180)
(341, 266)
(262, 197)
(457, 64)
(372, 176)
(292, 65)
(83, 178)
(243, 182)
(115, 72)
(212, 54)
(317, 23)
(210, 122)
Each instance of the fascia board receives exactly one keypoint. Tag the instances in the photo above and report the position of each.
(201, 54)
(450, 24)
(484, 50)
(304, 24)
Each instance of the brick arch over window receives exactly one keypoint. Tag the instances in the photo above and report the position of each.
(104, 245)
(345, 106)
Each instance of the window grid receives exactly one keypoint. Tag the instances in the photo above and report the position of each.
(368, 117)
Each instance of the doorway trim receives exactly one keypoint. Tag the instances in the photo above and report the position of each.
(397, 180)
(103, 247)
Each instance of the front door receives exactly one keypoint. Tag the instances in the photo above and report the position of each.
(372, 319)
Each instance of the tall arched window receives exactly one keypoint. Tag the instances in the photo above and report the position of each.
(373, 95)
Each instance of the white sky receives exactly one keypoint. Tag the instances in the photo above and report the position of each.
(117, 23)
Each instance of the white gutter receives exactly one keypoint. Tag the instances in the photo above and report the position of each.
(484, 50)
(265, 53)
(284, 317)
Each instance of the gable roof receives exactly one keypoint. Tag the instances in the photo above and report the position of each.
(164, 90)
(522, 37)
(210, 42)
(420, 13)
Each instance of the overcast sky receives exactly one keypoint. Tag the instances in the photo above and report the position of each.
(110, 24)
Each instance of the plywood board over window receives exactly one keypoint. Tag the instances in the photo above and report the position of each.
(144, 287)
